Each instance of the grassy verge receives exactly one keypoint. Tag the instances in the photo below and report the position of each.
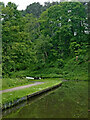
(11, 96)
(15, 82)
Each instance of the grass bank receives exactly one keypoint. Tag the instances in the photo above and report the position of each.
(15, 82)
(11, 96)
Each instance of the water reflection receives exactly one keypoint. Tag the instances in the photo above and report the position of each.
(56, 104)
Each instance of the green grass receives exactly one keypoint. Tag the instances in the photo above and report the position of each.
(72, 70)
(15, 82)
(11, 96)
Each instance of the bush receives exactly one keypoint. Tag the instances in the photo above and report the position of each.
(81, 58)
(60, 62)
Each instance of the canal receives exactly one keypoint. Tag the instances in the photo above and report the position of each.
(68, 101)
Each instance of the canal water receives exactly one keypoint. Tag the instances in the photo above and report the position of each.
(68, 101)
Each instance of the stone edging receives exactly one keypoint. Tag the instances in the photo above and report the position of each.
(16, 102)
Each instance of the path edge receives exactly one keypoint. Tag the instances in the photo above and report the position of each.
(16, 102)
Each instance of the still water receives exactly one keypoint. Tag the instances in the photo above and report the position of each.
(68, 101)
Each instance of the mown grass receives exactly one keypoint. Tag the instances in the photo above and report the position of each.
(11, 96)
(15, 82)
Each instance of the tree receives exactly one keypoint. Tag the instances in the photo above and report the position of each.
(17, 46)
(63, 22)
(42, 47)
(34, 8)
(30, 43)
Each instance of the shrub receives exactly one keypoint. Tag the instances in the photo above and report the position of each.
(60, 62)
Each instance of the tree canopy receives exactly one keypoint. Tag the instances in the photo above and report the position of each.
(42, 36)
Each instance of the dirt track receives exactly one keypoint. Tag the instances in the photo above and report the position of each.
(20, 87)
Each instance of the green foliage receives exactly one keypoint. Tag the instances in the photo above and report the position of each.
(17, 51)
(43, 38)
(11, 96)
(76, 70)
(60, 62)
(14, 82)
(36, 8)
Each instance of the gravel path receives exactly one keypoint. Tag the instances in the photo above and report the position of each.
(20, 87)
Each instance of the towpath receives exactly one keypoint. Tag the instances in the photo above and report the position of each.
(20, 87)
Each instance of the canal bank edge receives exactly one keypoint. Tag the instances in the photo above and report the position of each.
(16, 102)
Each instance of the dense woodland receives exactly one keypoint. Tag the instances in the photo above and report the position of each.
(45, 40)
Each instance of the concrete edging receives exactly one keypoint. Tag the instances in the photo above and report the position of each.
(16, 102)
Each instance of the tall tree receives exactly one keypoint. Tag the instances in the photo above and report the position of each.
(34, 8)
(17, 51)
(65, 23)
